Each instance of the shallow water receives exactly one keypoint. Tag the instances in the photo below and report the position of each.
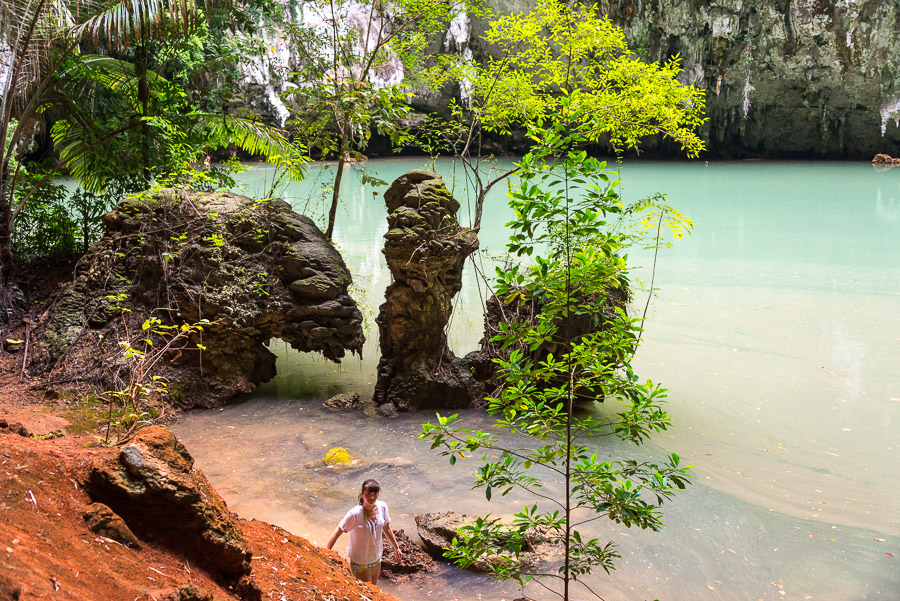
(776, 328)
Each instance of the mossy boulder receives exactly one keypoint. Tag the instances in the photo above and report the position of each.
(338, 456)
(255, 270)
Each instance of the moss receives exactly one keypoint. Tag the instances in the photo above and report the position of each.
(86, 415)
(338, 456)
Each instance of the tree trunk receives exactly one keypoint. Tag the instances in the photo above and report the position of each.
(332, 212)
(140, 67)
(6, 256)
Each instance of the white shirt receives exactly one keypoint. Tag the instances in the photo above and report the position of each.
(365, 534)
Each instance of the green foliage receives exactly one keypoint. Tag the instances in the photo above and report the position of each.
(559, 64)
(357, 74)
(133, 403)
(44, 227)
(576, 348)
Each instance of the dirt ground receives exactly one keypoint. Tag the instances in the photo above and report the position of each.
(48, 552)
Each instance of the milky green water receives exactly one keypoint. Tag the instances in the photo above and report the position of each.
(776, 328)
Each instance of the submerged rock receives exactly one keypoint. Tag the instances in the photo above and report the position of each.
(425, 248)
(154, 487)
(342, 402)
(254, 269)
(337, 456)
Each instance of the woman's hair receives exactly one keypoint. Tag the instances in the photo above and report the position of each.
(368, 486)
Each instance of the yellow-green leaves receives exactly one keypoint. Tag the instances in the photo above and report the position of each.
(571, 65)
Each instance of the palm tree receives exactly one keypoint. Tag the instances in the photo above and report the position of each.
(38, 36)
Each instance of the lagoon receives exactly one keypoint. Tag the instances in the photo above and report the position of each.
(775, 327)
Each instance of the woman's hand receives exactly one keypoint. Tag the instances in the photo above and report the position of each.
(398, 556)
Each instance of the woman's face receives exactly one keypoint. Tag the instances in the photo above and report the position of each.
(369, 497)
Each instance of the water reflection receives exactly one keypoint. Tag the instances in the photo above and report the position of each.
(776, 328)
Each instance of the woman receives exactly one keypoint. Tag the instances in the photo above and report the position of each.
(365, 523)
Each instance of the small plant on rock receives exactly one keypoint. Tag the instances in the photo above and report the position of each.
(132, 402)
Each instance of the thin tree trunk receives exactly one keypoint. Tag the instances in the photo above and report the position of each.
(332, 212)
(140, 66)
(6, 257)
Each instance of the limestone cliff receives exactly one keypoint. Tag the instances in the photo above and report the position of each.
(784, 78)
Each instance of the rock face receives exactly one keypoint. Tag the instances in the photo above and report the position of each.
(425, 248)
(254, 268)
(154, 488)
(783, 78)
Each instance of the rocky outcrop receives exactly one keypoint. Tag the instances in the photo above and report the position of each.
(155, 489)
(254, 269)
(414, 560)
(425, 248)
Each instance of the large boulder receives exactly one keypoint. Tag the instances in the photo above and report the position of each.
(439, 530)
(155, 489)
(425, 248)
(414, 560)
(255, 269)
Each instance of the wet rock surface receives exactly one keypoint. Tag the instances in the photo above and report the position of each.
(157, 492)
(255, 269)
(425, 248)
(414, 560)
(342, 402)
(439, 530)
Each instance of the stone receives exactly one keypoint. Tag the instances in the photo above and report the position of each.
(161, 497)
(337, 456)
(439, 530)
(425, 249)
(342, 402)
(388, 410)
(103, 521)
(414, 560)
(255, 270)
(188, 592)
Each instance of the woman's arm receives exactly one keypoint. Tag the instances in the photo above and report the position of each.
(336, 535)
(390, 534)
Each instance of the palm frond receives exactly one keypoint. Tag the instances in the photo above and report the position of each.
(124, 22)
(79, 151)
(119, 76)
(253, 137)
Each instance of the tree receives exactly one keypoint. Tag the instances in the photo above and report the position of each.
(353, 80)
(560, 64)
(38, 38)
(576, 348)
(567, 340)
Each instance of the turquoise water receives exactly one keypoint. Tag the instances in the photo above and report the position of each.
(776, 328)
